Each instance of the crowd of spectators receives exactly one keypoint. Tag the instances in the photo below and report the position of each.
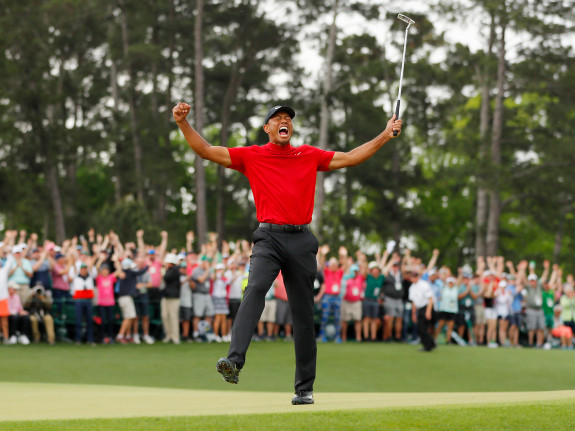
(98, 289)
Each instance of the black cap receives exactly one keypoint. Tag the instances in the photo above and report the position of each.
(279, 108)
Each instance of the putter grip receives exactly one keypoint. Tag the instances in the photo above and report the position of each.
(396, 115)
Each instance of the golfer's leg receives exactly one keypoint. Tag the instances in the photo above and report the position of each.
(264, 268)
(299, 275)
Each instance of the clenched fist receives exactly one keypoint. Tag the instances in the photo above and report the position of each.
(181, 111)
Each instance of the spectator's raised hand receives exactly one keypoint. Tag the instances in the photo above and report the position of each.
(324, 250)
(190, 236)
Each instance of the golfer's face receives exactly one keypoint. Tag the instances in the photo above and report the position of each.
(279, 128)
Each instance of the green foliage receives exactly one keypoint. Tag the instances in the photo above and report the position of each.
(71, 75)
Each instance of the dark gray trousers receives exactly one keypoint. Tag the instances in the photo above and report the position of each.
(294, 253)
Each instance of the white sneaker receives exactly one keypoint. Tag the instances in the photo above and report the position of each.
(23, 339)
(493, 345)
(12, 340)
(136, 339)
(227, 338)
(217, 339)
(147, 339)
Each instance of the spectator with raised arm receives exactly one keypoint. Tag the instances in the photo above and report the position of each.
(393, 298)
(479, 306)
(21, 271)
(490, 282)
(371, 300)
(353, 286)
(142, 301)
(467, 295)
(535, 318)
(170, 304)
(155, 257)
(330, 298)
(448, 308)
(201, 298)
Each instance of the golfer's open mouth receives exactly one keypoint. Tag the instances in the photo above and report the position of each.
(283, 131)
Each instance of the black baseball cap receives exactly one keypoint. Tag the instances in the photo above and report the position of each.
(279, 108)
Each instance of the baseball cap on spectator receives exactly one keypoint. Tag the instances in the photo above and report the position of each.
(373, 264)
(181, 256)
(467, 275)
(502, 283)
(451, 280)
(13, 285)
(57, 249)
(128, 263)
(83, 265)
(487, 273)
(220, 266)
(280, 108)
(171, 258)
(58, 256)
(532, 277)
(151, 251)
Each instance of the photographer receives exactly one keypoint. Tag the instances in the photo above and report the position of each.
(39, 306)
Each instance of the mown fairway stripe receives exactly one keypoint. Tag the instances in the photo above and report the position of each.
(37, 401)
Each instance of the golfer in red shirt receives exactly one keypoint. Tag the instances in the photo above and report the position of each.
(282, 178)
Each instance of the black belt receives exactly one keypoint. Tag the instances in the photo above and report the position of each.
(285, 227)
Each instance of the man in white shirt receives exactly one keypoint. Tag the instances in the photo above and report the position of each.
(421, 295)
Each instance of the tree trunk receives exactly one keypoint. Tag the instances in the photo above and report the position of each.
(495, 197)
(324, 123)
(201, 205)
(560, 233)
(482, 194)
(236, 78)
(56, 198)
(136, 142)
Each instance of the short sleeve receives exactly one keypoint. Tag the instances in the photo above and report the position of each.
(324, 160)
(237, 155)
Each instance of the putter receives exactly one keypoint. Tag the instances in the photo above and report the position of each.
(409, 22)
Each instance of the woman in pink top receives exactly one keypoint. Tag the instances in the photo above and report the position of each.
(105, 283)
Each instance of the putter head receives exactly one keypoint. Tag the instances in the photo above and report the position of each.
(406, 19)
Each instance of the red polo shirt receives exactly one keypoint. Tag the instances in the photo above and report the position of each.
(282, 179)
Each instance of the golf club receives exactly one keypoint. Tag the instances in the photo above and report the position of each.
(409, 22)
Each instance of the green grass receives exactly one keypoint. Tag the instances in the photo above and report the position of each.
(545, 416)
(270, 367)
(341, 368)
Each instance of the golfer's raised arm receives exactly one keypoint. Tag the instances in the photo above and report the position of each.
(201, 147)
(363, 152)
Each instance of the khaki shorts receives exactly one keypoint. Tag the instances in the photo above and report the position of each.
(127, 306)
(269, 313)
(350, 311)
(480, 318)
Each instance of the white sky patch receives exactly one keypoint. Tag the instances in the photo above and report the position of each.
(527, 157)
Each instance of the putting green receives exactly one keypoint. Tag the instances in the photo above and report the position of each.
(38, 401)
